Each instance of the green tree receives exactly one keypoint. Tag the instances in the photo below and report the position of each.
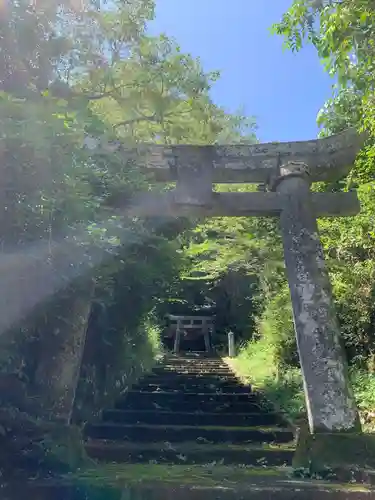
(343, 34)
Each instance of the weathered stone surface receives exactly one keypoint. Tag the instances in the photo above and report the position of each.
(329, 158)
(236, 205)
(44, 313)
(59, 365)
(177, 339)
(194, 179)
(330, 402)
(106, 371)
(231, 345)
(341, 452)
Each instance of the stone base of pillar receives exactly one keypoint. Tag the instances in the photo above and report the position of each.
(35, 447)
(339, 451)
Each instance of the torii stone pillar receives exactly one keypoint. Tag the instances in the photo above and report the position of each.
(329, 398)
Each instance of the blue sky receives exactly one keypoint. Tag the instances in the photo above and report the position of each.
(283, 90)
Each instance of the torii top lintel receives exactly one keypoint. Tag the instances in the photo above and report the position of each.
(328, 159)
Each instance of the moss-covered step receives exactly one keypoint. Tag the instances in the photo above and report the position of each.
(201, 405)
(154, 433)
(195, 369)
(191, 364)
(146, 386)
(158, 417)
(185, 360)
(196, 363)
(192, 370)
(194, 379)
(190, 453)
(191, 359)
(207, 475)
(166, 482)
(196, 397)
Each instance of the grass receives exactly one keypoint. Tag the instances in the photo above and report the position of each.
(364, 390)
(255, 364)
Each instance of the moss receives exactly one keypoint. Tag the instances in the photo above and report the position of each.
(32, 447)
(205, 475)
(321, 451)
(162, 479)
(63, 446)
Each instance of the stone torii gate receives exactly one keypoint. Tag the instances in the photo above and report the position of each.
(287, 170)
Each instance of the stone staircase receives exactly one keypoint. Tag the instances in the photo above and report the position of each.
(191, 410)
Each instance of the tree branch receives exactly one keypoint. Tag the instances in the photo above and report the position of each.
(95, 97)
(153, 118)
(136, 120)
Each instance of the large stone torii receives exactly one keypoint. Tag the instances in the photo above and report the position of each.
(287, 170)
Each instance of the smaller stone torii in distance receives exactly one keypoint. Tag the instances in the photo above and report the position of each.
(190, 327)
(287, 170)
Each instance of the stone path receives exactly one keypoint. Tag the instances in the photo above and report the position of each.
(191, 410)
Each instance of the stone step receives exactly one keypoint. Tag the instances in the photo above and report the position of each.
(196, 366)
(191, 388)
(173, 434)
(194, 363)
(189, 453)
(193, 354)
(191, 357)
(192, 371)
(161, 397)
(194, 379)
(140, 401)
(199, 419)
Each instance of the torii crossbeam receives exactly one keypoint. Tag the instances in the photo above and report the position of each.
(196, 168)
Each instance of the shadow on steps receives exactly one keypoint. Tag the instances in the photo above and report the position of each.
(193, 410)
